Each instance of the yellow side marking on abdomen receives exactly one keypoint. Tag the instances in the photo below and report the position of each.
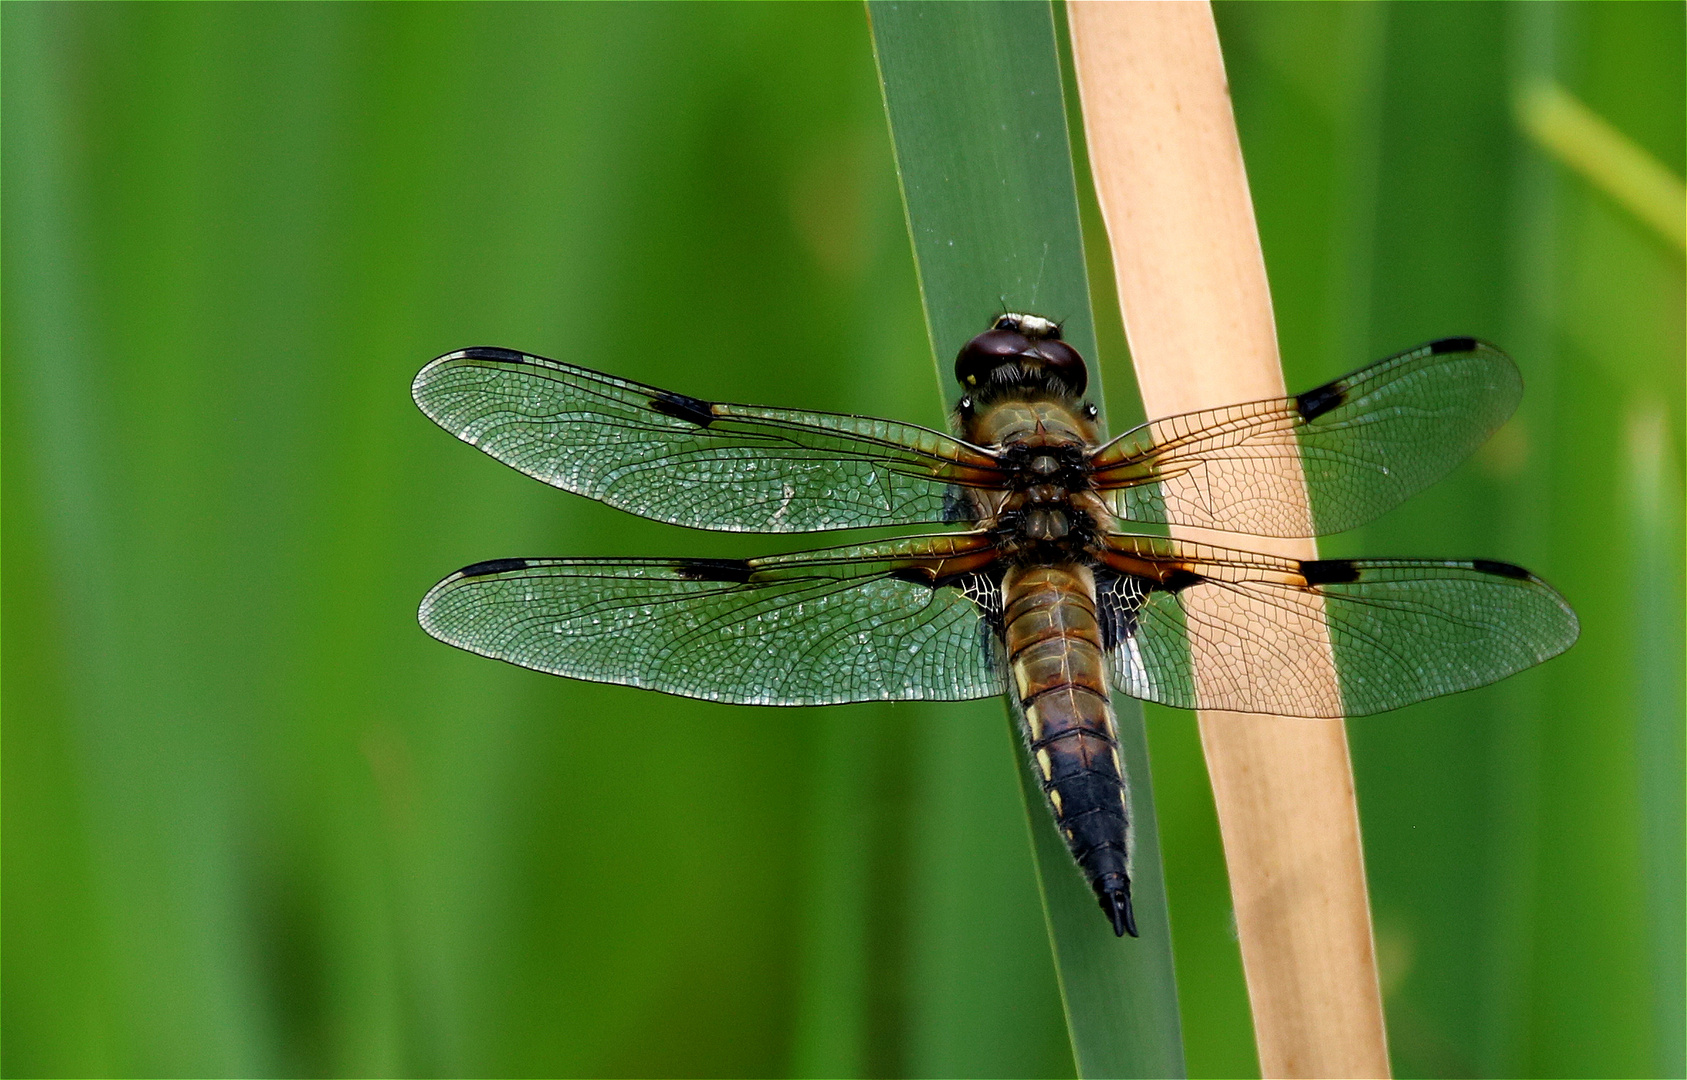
(1034, 722)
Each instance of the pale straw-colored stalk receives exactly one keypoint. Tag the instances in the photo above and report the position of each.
(1191, 278)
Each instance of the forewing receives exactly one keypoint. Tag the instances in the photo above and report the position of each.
(1364, 443)
(708, 465)
(907, 620)
(1201, 627)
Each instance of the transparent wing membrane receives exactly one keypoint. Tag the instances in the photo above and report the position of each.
(1201, 627)
(1190, 625)
(1365, 442)
(899, 621)
(708, 465)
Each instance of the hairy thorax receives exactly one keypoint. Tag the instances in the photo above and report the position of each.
(1048, 513)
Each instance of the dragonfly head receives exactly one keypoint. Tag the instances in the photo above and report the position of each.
(1020, 354)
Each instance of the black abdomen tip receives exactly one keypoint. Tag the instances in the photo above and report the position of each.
(1114, 892)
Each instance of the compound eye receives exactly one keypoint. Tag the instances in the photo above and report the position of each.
(1063, 360)
(986, 352)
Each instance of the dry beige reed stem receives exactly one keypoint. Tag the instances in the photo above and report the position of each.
(1173, 191)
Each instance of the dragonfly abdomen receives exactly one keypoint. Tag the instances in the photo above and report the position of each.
(1054, 655)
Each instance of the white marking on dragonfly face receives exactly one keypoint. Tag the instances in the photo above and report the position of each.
(1033, 325)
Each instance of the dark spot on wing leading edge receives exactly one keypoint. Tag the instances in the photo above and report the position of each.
(1178, 580)
(1320, 400)
(1452, 344)
(734, 571)
(914, 575)
(680, 407)
(1499, 569)
(1328, 571)
(918, 575)
(492, 566)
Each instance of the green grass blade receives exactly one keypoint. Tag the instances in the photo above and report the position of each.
(973, 94)
(1654, 498)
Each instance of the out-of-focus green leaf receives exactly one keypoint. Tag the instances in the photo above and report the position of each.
(1399, 201)
(255, 821)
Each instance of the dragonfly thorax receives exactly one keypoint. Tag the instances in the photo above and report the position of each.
(1053, 465)
(1049, 514)
(1045, 525)
(1046, 512)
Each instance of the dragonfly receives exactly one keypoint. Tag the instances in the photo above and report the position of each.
(1035, 591)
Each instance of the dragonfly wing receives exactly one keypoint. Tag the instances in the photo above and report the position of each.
(1202, 627)
(708, 465)
(1364, 443)
(905, 620)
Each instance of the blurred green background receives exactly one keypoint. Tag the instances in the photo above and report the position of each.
(256, 822)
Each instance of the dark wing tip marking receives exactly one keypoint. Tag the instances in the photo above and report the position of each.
(1328, 571)
(1321, 399)
(732, 571)
(493, 352)
(1452, 344)
(1500, 569)
(680, 407)
(419, 386)
(493, 566)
